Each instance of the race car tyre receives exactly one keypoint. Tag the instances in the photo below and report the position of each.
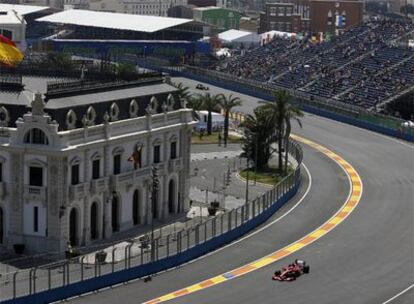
(277, 273)
(306, 269)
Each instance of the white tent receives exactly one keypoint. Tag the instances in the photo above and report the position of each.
(238, 37)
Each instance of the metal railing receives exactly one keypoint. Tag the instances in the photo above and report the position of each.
(134, 253)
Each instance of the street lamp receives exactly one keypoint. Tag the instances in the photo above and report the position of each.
(154, 191)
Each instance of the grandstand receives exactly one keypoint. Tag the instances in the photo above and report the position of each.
(367, 66)
(84, 24)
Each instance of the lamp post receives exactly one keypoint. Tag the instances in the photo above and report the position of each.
(247, 181)
(155, 184)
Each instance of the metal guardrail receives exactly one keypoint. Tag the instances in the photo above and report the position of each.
(144, 251)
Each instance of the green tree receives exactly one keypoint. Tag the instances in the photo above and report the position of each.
(281, 111)
(126, 71)
(227, 104)
(258, 136)
(210, 103)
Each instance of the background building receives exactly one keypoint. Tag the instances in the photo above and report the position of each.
(13, 26)
(285, 17)
(138, 7)
(76, 4)
(75, 161)
(334, 16)
(221, 17)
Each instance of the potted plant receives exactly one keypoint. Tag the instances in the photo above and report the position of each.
(100, 256)
(18, 248)
(211, 211)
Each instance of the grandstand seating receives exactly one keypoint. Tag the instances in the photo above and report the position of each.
(364, 66)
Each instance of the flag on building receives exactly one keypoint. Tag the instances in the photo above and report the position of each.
(9, 53)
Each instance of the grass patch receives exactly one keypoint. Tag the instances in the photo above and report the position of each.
(213, 139)
(270, 176)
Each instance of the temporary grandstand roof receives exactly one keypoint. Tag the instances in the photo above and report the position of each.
(138, 23)
(10, 18)
(22, 9)
(232, 35)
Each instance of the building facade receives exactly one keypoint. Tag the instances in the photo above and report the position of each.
(138, 7)
(335, 16)
(291, 17)
(222, 18)
(76, 167)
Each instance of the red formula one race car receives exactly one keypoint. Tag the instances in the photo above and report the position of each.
(292, 271)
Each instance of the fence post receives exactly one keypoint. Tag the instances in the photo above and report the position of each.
(213, 226)
(263, 203)
(229, 221)
(188, 238)
(96, 267)
(30, 280)
(113, 259)
(156, 249)
(235, 218)
(205, 231)
(64, 275)
(179, 242)
(197, 234)
(14, 284)
(221, 223)
(49, 279)
(81, 264)
(242, 213)
(253, 208)
(67, 273)
(168, 245)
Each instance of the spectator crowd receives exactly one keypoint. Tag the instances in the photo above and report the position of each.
(364, 66)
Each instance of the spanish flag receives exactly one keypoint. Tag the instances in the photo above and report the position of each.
(10, 55)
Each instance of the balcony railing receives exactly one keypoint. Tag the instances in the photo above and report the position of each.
(35, 193)
(175, 164)
(99, 185)
(129, 178)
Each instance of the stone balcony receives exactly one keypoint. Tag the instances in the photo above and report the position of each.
(175, 165)
(35, 193)
(99, 185)
(128, 179)
(78, 191)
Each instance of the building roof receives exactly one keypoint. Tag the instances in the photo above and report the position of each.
(108, 96)
(207, 8)
(11, 17)
(231, 35)
(138, 23)
(22, 9)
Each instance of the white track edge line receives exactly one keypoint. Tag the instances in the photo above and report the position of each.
(398, 294)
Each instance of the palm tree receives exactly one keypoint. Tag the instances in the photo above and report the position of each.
(183, 92)
(209, 103)
(227, 104)
(196, 104)
(281, 112)
(258, 136)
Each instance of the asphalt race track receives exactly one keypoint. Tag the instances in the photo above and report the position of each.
(369, 258)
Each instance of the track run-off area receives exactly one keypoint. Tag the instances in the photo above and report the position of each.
(352, 201)
(367, 259)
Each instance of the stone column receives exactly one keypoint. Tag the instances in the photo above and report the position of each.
(16, 199)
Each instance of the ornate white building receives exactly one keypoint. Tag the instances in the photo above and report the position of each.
(75, 161)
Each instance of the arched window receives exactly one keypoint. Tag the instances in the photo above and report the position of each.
(36, 136)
